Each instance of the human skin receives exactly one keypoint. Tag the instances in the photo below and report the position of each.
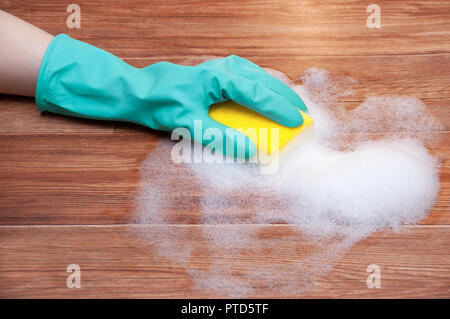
(22, 47)
(182, 93)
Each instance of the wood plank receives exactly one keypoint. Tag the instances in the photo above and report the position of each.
(93, 179)
(249, 28)
(115, 264)
(424, 77)
(37, 189)
(19, 115)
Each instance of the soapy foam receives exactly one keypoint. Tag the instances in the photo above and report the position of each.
(338, 188)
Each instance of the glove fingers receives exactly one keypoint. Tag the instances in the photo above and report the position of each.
(259, 98)
(255, 73)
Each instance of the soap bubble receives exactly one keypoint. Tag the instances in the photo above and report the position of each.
(366, 169)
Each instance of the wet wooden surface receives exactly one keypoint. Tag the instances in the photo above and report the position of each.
(68, 186)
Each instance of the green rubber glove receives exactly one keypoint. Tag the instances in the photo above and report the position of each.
(78, 79)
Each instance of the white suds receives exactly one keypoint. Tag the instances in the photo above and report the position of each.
(366, 170)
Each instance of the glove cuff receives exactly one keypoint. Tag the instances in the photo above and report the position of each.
(45, 73)
(78, 79)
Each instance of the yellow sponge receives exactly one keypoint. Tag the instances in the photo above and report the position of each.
(242, 118)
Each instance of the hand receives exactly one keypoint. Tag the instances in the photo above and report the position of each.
(81, 80)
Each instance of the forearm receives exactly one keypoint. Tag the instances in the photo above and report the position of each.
(22, 47)
(74, 78)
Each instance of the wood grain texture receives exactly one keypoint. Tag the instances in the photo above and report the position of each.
(92, 179)
(34, 261)
(248, 27)
(67, 186)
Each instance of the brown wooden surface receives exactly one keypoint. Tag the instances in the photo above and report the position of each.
(67, 186)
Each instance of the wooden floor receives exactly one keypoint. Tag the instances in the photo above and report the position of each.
(67, 185)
